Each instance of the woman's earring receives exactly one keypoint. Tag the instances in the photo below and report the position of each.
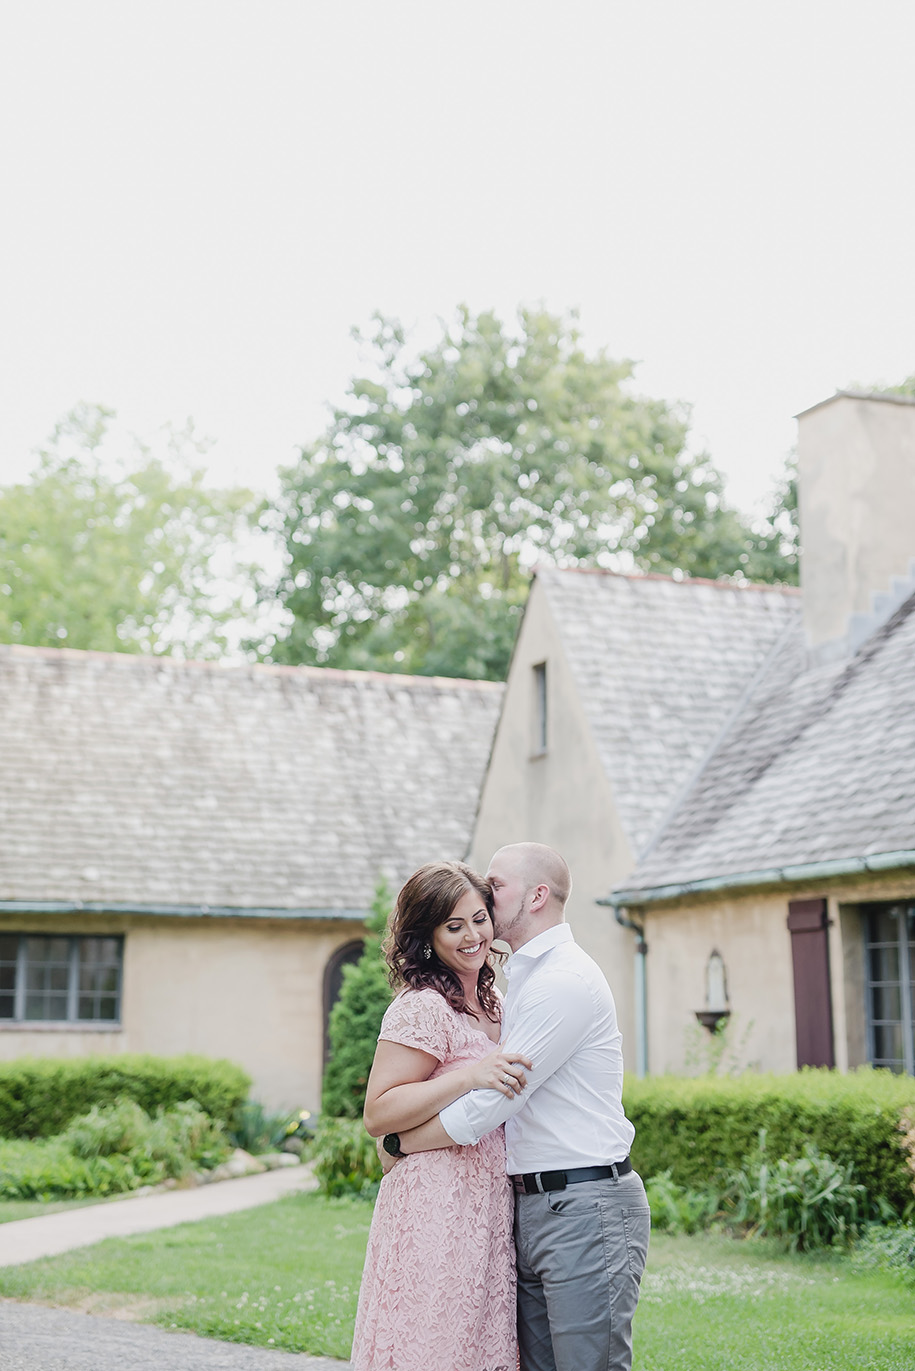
(427, 952)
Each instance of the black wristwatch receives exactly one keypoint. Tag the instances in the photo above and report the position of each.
(391, 1145)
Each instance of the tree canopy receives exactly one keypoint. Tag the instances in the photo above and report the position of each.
(119, 555)
(411, 527)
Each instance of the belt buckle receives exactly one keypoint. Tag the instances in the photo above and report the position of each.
(551, 1180)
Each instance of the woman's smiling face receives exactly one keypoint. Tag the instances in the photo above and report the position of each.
(465, 938)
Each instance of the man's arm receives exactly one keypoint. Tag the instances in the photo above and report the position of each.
(552, 1019)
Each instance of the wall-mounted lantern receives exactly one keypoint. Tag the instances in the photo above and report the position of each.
(716, 994)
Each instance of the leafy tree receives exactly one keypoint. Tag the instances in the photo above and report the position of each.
(356, 1018)
(773, 551)
(412, 525)
(906, 387)
(118, 555)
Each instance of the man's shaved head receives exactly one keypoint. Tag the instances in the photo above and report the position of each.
(537, 864)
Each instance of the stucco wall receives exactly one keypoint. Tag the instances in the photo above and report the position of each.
(561, 798)
(752, 937)
(750, 931)
(249, 991)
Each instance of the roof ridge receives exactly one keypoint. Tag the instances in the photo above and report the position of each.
(853, 394)
(146, 660)
(673, 580)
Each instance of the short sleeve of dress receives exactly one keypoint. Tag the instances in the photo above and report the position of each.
(419, 1018)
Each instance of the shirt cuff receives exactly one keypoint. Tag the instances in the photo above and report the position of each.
(453, 1118)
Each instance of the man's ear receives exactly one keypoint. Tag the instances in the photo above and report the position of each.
(539, 896)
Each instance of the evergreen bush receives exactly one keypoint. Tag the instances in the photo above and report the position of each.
(356, 1018)
(701, 1129)
(40, 1095)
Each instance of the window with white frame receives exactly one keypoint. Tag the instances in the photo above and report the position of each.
(60, 978)
(890, 939)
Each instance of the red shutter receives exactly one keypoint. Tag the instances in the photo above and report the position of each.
(808, 926)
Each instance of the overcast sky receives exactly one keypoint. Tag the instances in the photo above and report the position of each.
(201, 198)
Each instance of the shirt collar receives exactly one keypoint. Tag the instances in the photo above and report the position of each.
(544, 942)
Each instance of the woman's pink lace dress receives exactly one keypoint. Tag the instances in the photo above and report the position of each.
(438, 1290)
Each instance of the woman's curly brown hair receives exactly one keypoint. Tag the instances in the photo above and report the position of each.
(425, 902)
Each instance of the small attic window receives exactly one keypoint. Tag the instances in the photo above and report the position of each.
(540, 707)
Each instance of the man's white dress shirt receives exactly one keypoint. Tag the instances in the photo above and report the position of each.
(560, 1013)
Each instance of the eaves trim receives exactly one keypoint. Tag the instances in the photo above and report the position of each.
(177, 911)
(784, 875)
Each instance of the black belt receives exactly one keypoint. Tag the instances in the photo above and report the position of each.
(535, 1182)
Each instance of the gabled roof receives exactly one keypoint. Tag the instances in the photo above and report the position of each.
(131, 781)
(660, 665)
(817, 771)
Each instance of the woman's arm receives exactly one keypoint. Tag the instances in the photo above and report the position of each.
(400, 1094)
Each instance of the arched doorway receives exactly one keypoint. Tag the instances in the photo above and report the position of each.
(333, 980)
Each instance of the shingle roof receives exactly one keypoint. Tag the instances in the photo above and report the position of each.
(660, 664)
(131, 780)
(819, 767)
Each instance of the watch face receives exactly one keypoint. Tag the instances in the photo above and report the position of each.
(391, 1144)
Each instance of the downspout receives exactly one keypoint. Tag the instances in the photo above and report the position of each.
(641, 986)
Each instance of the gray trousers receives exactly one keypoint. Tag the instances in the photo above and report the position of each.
(581, 1253)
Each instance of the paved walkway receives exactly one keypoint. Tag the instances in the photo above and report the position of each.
(34, 1337)
(24, 1240)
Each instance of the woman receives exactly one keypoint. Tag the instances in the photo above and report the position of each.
(438, 1290)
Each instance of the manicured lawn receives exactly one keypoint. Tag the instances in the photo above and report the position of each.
(717, 1304)
(287, 1276)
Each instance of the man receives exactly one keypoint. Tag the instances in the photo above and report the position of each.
(581, 1216)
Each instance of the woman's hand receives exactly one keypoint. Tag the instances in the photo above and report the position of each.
(500, 1071)
(387, 1161)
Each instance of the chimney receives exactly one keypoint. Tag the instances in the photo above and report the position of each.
(856, 487)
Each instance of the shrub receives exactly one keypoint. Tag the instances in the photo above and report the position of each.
(675, 1209)
(890, 1247)
(48, 1170)
(186, 1139)
(112, 1149)
(346, 1161)
(702, 1129)
(107, 1129)
(257, 1129)
(40, 1095)
(356, 1019)
(808, 1203)
(907, 1129)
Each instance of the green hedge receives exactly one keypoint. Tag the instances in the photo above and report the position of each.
(700, 1127)
(40, 1095)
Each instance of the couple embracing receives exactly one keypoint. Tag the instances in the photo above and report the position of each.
(529, 1139)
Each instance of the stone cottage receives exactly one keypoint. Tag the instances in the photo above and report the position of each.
(188, 852)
